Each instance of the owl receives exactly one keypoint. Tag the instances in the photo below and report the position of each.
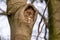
(29, 15)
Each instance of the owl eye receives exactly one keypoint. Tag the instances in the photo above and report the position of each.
(28, 13)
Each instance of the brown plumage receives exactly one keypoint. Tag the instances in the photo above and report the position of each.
(28, 14)
(22, 18)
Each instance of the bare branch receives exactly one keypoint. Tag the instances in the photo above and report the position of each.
(39, 32)
(43, 18)
(2, 10)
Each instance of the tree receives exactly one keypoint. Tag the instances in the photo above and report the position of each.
(21, 17)
(54, 19)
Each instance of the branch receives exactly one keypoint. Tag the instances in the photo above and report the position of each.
(43, 18)
(3, 12)
(39, 32)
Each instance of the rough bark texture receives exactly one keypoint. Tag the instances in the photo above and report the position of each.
(21, 17)
(54, 9)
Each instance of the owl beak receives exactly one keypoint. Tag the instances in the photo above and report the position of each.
(29, 20)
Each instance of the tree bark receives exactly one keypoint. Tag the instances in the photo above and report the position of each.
(21, 17)
(54, 14)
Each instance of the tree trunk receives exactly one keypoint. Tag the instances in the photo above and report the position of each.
(54, 9)
(21, 17)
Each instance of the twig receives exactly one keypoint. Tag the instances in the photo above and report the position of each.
(46, 23)
(2, 10)
(39, 32)
(41, 20)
